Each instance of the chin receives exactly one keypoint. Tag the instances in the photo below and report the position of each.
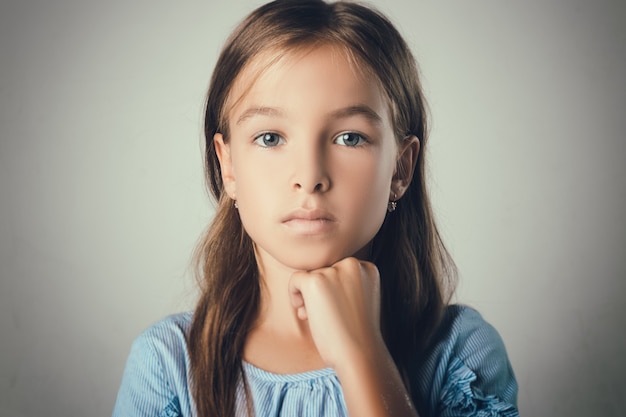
(310, 261)
(310, 264)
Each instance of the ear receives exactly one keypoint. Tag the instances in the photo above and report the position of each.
(226, 165)
(405, 165)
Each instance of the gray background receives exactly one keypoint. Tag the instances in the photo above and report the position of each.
(102, 198)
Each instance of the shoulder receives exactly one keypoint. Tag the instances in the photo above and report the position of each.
(469, 336)
(467, 366)
(169, 335)
(164, 344)
(156, 376)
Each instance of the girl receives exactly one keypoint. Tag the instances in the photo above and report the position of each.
(324, 280)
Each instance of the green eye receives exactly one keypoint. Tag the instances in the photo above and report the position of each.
(350, 139)
(269, 140)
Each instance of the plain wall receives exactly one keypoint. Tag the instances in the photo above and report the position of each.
(102, 196)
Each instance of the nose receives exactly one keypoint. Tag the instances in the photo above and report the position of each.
(310, 170)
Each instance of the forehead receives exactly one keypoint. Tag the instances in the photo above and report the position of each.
(273, 74)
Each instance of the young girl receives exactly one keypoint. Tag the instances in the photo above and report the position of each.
(324, 280)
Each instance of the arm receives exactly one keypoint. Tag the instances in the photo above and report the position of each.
(144, 390)
(478, 375)
(466, 371)
(342, 306)
(372, 385)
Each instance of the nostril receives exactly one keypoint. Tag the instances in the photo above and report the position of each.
(320, 186)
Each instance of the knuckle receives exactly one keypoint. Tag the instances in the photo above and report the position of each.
(351, 264)
(316, 282)
(371, 269)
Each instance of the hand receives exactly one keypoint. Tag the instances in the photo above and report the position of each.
(342, 306)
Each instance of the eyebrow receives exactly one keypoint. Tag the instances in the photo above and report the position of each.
(343, 113)
(357, 110)
(260, 111)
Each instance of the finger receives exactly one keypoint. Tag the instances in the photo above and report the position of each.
(302, 314)
(372, 277)
(295, 294)
(368, 269)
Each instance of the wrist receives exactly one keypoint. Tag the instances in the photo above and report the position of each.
(362, 361)
(372, 385)
(357, 355)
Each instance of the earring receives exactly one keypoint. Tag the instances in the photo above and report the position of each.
(236, 205)
(392, 204)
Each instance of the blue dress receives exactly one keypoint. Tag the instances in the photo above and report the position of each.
(466, 373)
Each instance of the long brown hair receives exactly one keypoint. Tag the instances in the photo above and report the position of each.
(415, 268)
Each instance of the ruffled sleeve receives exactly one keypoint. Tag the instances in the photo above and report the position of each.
(460, 398)
(466, 373)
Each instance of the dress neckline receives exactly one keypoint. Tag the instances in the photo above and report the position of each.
(256, 372)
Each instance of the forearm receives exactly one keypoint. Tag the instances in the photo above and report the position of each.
(342, 306)
(372, 385)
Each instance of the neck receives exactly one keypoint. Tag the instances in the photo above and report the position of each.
(278, 341)
(275, 306)
(275, 310)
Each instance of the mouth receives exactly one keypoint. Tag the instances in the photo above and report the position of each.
(309, 222)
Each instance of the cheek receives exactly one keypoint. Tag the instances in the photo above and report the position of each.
(369, 180)
(256, 189)
(366, 193)
(256, 206)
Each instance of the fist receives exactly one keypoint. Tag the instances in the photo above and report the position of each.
(342, 306)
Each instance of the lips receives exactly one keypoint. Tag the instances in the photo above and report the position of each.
(301, 214)
(309, 222)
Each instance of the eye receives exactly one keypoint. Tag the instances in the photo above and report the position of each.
(350, 139)
(269, 140)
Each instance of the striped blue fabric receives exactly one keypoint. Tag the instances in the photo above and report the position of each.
(465, 373)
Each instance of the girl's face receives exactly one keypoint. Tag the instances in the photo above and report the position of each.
(310, 159)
